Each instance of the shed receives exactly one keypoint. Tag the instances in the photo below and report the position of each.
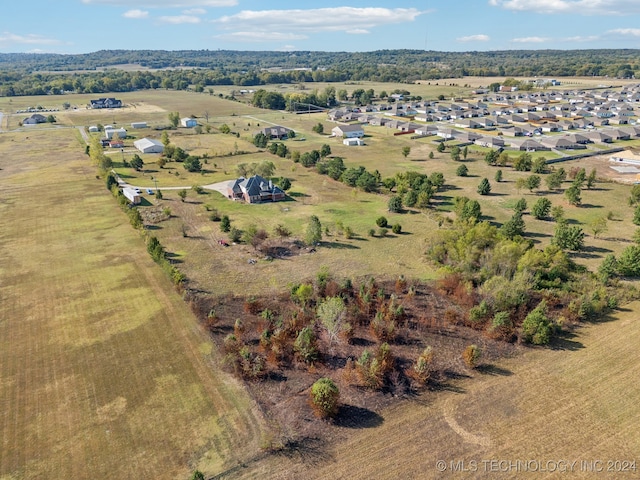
(139, 125)
(109, 133)
(149, 145)
(353, 142)
(188, 122)
(93, 129)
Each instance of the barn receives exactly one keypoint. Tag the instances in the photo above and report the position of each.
(149, 145)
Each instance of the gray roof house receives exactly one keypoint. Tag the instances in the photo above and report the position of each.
(348, 131)
(254, 190)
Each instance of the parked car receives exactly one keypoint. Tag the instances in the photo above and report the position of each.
(149, 191)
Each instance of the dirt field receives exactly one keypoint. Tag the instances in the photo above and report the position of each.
(103, 371)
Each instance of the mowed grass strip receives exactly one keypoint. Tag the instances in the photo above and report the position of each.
(103, 369)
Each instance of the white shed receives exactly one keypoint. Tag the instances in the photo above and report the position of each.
(188, 122)
(149, 145)
(139, 125)
(109, 133)
(353, 142)
(93, 129)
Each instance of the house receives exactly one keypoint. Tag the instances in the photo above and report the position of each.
(490, 142)
(105, 103)
(148, 145)
(275, 131)
(188, 122)
(116, 143)
(352, 142)
(254, 190)
(34, 119)
(561, 143)
(348, 131)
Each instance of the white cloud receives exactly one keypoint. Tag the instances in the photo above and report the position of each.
(166, 3)
(8, 38)
(260, 37)
(474, 38)
(135, 14)
(625, 32)
(195, 11)
(358, 31)
(581, 38)
(345, 19)
(530, 40)
(179, 19)
(574, 7)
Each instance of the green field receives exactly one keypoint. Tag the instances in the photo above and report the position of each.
(104, 372)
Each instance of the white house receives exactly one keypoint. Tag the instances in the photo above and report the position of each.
(148, 145)
(188, 122)
(348, 131)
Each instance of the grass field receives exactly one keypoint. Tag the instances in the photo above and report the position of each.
(574, 403)
(104, 372)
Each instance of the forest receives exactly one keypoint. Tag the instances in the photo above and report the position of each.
(39, 74)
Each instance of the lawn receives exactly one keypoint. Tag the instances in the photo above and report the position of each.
(103, 370)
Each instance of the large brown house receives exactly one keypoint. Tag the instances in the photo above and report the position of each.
(254, 190)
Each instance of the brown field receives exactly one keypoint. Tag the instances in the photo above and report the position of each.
(103, 370)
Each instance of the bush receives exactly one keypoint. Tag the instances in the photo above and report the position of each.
(305, 345)
(395, 204)
(471, 355)
(325, 397)
(396, 228)
(537, 328)
(462, 171)
(381, 222)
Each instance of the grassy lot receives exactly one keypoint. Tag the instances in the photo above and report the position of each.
(576, 402)
(104, 372)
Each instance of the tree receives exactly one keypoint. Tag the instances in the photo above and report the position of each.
(541, 208)
(395, 204)
(573, 195)
(465, 152)
(608, 268)
(537, 327)
(396, 228)
(484, 187)
(332, 315)
(406, 151)
(158, 194)
(260, 140)
(554, 181)
(598, 226)
(136, 162)
(325, 398)
(174, 119)
(523, 162)
(164, 138)
(591, 179)
(305, 345)
(636, 216)
(318, 128)
(491, 157)
(471, 355)
(462, 171)
(314, 231)
(410, 198)
(467, 210)
(325, 151)
(224, 128)
(192, 164)
(629, 261)
(539, 165)
(197, 475)
(520, 206)
(441, 147)
(513, 227)
(182, 194)
(533, 182)
(455, 153)
(568, 237)
(498, 177)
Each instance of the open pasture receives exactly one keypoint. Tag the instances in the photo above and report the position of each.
(104, 372)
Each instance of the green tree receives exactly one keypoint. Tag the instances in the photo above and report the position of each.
(260, 140)
(197, 475)
(406, 151)
(174, 119)
(539, 165)
(441, 147)
(395, 204)
(533, 182)
(306, 346)
(608, 268)
(568, 237)
(523, 162)
(192, 164)
(182, 194)
(164, 138)
(225, 223)
(318, 128)
(498, 177)
(591, 179)
(465, 152)
(484, 188)
(541, 208)
(224, 128)
(554, 181)
(410, 198)
(455, 153)
(636, 216)
(557, 213)
(513, 227)
(462, 171)
(314, 231)
(537, 327)
(325, 398)
(382, 222)
(598, 226)
(573, 195)
(520, 206)
(629, 261)
(136, 162)
(491, 157)
(325, 151)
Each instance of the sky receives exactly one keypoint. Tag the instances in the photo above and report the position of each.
(83, 26)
